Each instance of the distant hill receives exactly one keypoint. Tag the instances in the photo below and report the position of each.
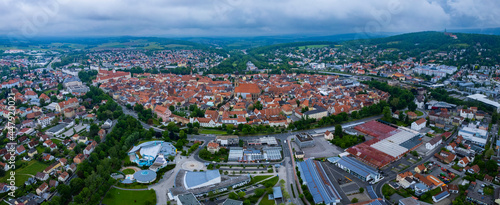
(230, 43)
(431, 40)
(55, 43)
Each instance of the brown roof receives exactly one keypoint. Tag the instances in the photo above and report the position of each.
(247, 88)
(420, 121)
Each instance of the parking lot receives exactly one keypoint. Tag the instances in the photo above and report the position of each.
(321, 148)
(346, 184)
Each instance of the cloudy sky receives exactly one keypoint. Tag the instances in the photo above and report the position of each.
(240, 17)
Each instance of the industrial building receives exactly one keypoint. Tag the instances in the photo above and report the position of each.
(388, 145)
(254, 155)
(356, 168)
(227, 140)
(474, 135)
(304, 140)
(271, 141)
(482, 98)
(318, 183)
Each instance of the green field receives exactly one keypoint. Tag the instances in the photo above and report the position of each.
(265, 200)
(116, 196)
(21, 174)
(128, 171)
(259, 178)
(312, 46)
(57, 141)
(175, 46)
(215, 132)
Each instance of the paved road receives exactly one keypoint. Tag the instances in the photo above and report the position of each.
(161, 188)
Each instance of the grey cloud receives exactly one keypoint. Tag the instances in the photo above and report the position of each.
(240, 18)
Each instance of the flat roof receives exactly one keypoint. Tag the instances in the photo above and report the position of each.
(319, 184)
(188, 199)
(482, 98)
(57, 127)
(194, 179)
(277, 192)
(356, 166)
(304, 137)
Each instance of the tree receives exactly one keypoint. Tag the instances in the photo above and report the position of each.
(491, 166)
(354, 200)
(257, 105)
(489, 153)
(233, 195)
(361, 190)
(182, 134)
(412, 106)
(241, 194)
(387, 114)
(338, 131)
(171, 108)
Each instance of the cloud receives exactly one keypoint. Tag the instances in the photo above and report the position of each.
(238, 17)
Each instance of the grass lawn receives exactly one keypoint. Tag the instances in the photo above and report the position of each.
(40, 149)
(419, 113)
(57, 141)
(116, 196)
(32, 168)
(265, 200)
(215, 132)
(128, 171)
(259, 178)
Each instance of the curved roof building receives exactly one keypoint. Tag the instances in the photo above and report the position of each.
(145, 176)
(194, 180)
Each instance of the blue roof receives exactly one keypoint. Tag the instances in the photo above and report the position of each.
(411, 143)
(145, 176)
(318, 183)
(441, 195)
(378, 202)
(277, 192)
(371, 192)
(197, 178)
(357, 167)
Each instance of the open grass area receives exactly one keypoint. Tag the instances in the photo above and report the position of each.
(57, 141)
(116, 196)
(214, 132)
(259, 178)
(265, 200)
(128, 171)
(24, 173)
